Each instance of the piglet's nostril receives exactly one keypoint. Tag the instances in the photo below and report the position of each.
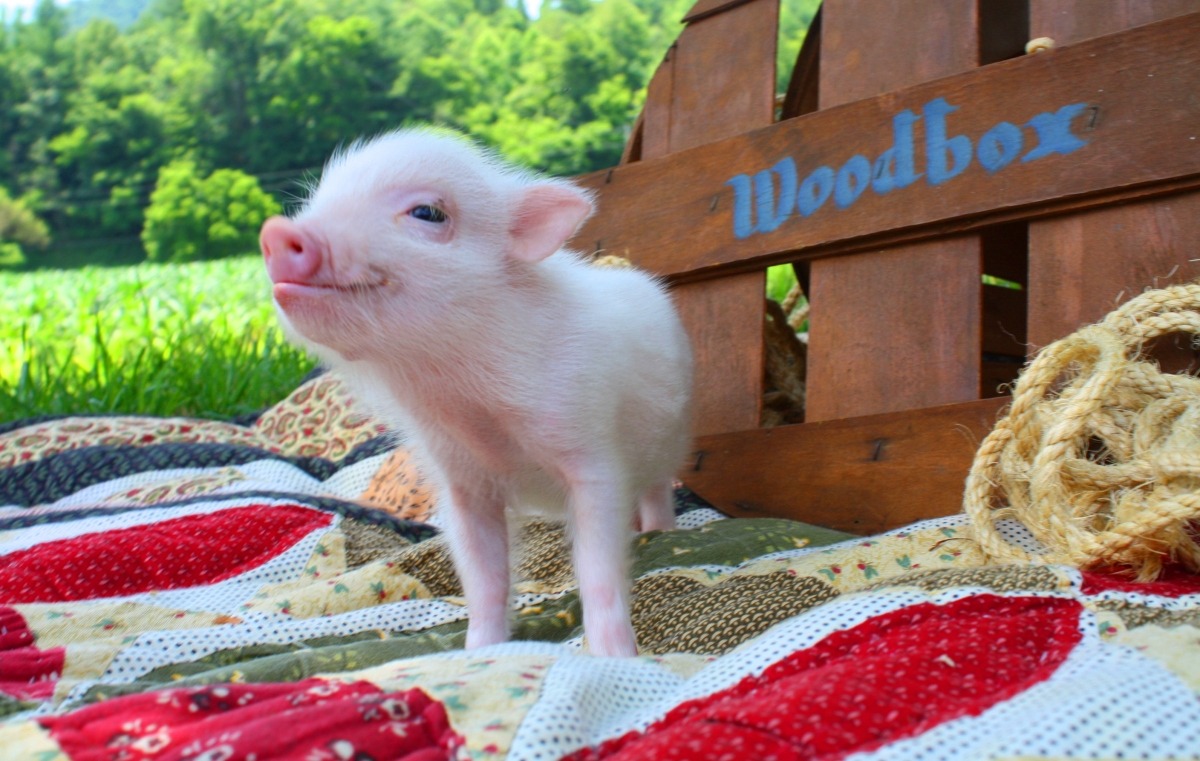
(292, 241)
(292, 255)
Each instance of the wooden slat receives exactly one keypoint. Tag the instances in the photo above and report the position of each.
(1070, 21)
(863, 475)
(727, 340)
(717, 80)
(723, 75)
(1083, 265)
(633, 147)
(1139, 127)
(894, 330)
(656, 114)
(878, 335)
(867, 50)
(724, 319)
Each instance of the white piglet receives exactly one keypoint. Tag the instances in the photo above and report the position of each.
(432, 276)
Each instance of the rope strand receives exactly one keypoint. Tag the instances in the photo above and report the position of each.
(1099, 453)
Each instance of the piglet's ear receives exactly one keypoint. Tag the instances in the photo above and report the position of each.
(547, 215)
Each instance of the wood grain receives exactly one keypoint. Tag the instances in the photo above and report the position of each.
(880, 335)
(727, 341)
(863, 475)
(656, 114)
(710, 86)
(1083, 265)
(895, 329)
(864, 53)
(1070, 21)
(1140, 85)
(721, 85)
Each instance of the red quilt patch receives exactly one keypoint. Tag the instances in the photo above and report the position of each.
(172, 554)
(891, 677)
(1173, 582)
(313, 719)
(26, 672)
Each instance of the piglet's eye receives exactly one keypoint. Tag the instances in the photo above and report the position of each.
(427, 213)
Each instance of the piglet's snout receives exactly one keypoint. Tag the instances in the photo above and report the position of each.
(292, 255)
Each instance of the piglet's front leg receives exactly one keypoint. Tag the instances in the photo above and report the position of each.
(478, 538)
(601, 505)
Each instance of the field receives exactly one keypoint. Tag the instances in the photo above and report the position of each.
(193, 339)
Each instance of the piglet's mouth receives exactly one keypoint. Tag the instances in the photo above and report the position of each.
(291, 290)
(305, 296)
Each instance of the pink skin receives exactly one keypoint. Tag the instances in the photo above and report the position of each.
(293, 259)
(529, 381)
(297, 264)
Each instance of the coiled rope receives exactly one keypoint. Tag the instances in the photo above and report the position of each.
(1099, 453)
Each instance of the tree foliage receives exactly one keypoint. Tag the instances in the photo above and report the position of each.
(20, 225)
(96, 108)
(20, 229)
(191, 217)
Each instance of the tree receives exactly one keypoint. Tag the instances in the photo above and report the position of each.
(20, 229)
(114, 137)
(192, 217)
(39, 77)
(234, 38)
(333, 85)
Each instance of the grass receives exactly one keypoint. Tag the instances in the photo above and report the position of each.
(196, 339)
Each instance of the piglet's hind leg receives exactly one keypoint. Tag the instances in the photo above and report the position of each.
(600, 519)
(656, 508)
(478, 537)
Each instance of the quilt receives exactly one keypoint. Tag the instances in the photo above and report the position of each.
(277, 588)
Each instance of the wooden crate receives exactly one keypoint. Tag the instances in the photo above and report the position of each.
(918, 150)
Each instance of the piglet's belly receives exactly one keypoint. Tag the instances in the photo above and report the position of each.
(534, 492)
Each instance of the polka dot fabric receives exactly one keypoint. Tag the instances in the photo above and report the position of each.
(189, 589)
(888, 678)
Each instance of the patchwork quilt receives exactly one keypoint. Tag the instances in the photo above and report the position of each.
(277, 588)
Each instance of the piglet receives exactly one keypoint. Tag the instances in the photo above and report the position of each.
(433, 277)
